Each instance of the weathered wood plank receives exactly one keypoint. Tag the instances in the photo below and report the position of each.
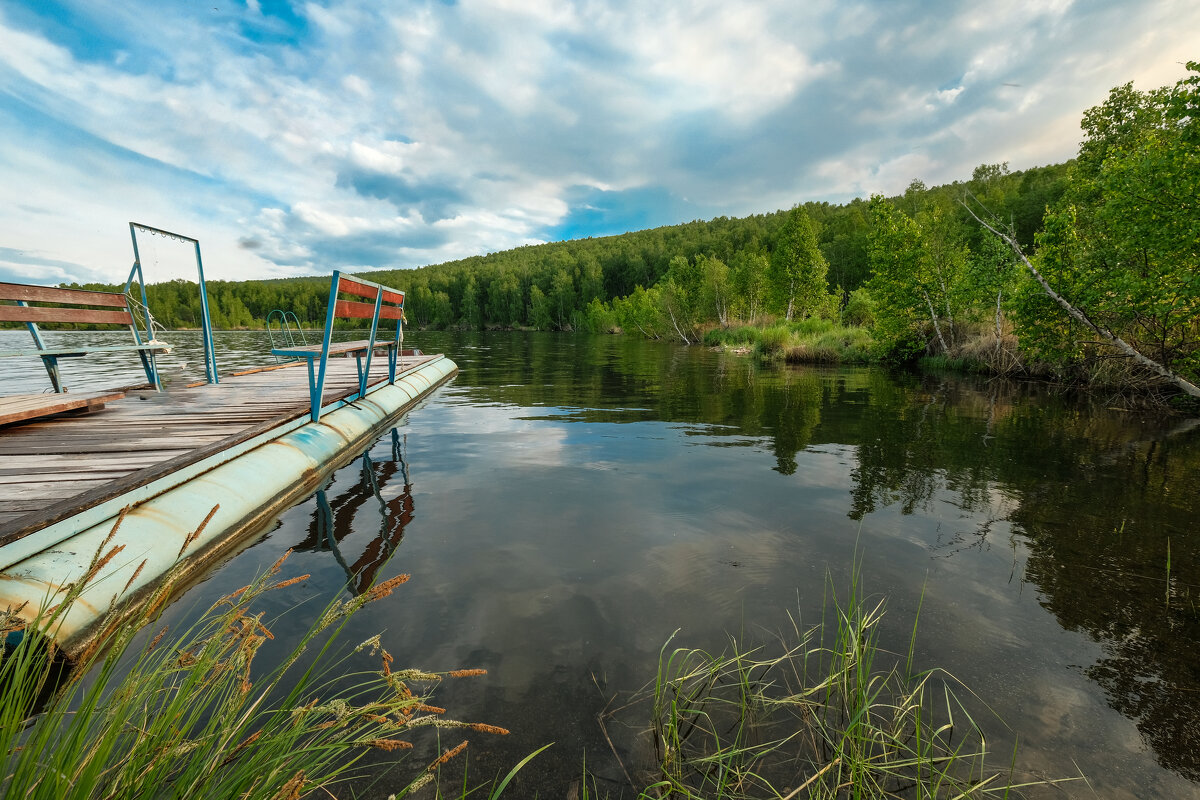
(50, 294)
(48, 490)
(21, 505)
(15, 408)
(59, 476)
(41, 314)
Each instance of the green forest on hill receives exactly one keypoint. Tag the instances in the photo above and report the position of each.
(553, 286)
(1114, 233)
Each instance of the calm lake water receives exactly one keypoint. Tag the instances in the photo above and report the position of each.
(568, 502)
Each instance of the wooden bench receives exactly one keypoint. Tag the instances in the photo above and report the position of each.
(386, 304)
(98, 308)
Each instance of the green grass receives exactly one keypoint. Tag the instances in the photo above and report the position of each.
(806, 341)
(833, 716)
(188, 714)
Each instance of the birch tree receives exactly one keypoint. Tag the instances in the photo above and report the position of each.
(1118, 260)
(798, 268)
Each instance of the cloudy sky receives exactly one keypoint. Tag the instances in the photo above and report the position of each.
(295, 138)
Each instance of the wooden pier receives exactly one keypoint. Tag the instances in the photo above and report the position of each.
(138, 475)
(116, 493)
(58, 466)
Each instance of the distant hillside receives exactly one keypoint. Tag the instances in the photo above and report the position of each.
(550, 285)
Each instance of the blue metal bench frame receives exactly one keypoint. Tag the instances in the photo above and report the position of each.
(101, 308)
(387, 303)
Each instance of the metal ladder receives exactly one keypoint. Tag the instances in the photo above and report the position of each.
(287, 334)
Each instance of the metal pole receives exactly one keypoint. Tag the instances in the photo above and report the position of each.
(49, 362)
(210, 356)
(366, 374)
(137, 270)
(317, 390)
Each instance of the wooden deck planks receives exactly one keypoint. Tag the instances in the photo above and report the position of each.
(21, 407)
(52, 468)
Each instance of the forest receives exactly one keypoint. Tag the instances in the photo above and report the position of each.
(1088, 270)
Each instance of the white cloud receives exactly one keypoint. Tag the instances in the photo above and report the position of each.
(720, 57)
(419, 133)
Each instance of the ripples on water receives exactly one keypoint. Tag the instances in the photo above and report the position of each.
(568, 502)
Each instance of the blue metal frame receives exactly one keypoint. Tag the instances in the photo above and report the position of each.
(51, 355)
(316, 382)
(148, 362)
(49, 362)
(286, 334)
(210, 356)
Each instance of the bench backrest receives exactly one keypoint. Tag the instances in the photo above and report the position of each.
(387, 304)
(391, 301)
(103, 308)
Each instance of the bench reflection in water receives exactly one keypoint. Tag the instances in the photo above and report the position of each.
(335, 520)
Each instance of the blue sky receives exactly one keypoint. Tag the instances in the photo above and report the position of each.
(296, 138)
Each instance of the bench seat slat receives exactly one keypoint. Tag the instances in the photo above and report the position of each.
(335, 348)
(68, 352)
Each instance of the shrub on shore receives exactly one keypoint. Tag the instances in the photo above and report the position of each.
(807, 341)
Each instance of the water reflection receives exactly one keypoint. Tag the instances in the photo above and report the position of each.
(1097, 499)
(583, 497)
(336, 520)
(1127, 582)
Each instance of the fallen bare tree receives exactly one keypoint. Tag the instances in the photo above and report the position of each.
(1080, 316)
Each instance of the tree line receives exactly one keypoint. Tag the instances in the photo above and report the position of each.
(723, 269)
(1112, 232)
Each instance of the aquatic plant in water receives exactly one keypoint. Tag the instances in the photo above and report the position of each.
(825, 719)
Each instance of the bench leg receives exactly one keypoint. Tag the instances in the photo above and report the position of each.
(51, 364)
(314, 392)
(362, 376)
(151, 369)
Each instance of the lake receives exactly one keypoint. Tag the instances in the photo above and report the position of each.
(568, 503)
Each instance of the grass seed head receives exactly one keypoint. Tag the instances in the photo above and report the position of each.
(385, 588)
(389, 744)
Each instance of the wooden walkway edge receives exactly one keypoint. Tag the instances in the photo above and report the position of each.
(54, 469)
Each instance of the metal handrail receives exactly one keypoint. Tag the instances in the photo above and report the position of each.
(286, 335)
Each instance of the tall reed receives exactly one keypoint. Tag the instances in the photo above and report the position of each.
(188, 714)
